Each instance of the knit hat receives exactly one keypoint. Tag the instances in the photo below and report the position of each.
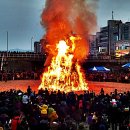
(50, 110)
(52, 115)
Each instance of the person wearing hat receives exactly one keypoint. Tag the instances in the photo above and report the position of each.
(52, 115)
(43, 109)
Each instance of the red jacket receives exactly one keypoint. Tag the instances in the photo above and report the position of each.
(15, 121)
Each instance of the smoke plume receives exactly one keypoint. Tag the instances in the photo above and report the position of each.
(61, 18)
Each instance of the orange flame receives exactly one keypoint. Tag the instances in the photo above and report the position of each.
(61, 19)
(64, 72)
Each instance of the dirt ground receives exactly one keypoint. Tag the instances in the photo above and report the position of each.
(95, 86)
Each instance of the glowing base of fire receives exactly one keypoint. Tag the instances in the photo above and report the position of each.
(67, 83)
(65, 89)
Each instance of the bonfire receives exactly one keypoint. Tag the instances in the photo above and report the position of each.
(64, 72)
(67, 24)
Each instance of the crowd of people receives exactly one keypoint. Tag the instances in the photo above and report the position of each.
(123, 77)
(22, 75)
(64, 111)
(117, 74)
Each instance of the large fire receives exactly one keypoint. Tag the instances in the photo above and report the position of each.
(62, 20)
(64, 72)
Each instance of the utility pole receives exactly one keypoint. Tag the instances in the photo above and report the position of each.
(7, 43)
(31, 43)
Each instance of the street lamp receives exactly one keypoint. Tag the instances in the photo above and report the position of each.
(31, 43)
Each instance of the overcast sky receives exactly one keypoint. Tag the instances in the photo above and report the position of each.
(21, 18)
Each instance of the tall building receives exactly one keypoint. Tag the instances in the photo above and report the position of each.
(114, 34)
(123, 45)
(37, 47)
(103, 40)
(125, 31)
(110, 36)
(92, 45)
